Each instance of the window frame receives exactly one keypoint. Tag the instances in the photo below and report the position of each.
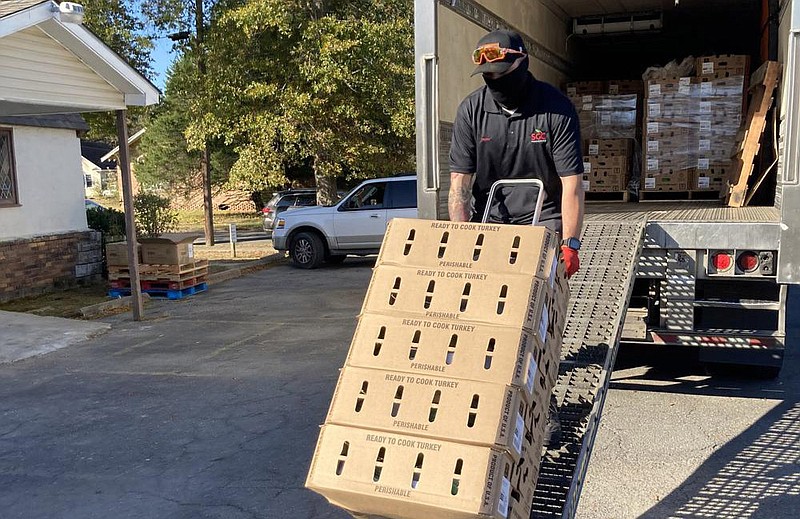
(15, 188)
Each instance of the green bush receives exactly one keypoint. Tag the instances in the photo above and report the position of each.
(153, 215)
(108, 221)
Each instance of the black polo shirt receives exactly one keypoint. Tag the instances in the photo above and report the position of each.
(540, 140)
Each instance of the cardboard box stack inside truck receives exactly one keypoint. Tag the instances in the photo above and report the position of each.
(441, 406)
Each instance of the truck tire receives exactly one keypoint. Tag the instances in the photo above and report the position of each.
(307, 250)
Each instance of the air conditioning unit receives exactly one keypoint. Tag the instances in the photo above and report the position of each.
(615, 24)
(71, 12)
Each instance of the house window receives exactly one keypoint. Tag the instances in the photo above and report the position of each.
(8, 172)
(87, 179)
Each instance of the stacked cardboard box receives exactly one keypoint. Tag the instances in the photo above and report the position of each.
(441, 406)
(691, 125)
(607, 165)
(722, 81)
(607, 116)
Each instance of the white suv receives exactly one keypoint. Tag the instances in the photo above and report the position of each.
(354, 225)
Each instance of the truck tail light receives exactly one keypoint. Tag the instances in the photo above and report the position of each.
(721, 261)
(747, 262)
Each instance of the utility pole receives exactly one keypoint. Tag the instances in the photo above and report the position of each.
(208, 207)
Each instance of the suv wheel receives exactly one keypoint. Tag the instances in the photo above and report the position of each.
(307, 250)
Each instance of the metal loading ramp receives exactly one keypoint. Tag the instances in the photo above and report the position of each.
(599, 297)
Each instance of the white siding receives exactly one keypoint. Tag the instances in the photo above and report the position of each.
(50, 184)
(36, 69)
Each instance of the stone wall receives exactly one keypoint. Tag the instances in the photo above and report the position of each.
(41, 264)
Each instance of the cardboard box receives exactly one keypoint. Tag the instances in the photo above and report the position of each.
(616, 164)
(425, 293)
(579, 88)
(732, 65)
(609, 147)
(712, 179)
(169, 249)
(478, 413)
(667, 180)
(117, 254)
(513, 249)
(404, 476)
(625, 86)
(670, 87)
(484, 353)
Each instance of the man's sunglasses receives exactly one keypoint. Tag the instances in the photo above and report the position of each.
(492, 52)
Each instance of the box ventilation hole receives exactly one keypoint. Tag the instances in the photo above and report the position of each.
(473, 413)
(379, 342)
(487, 361)
(417, 470)
(361, 395)
(376, 476)
(342, 458)
(429, 294)
(437, 396)
(409, 242)
(512, 258)
(443, 244)
(456, 478)
(501, 300)
(451, 349)
(395, 291)
(476, 253)
(412, 353)
(398, 397)
(465, 297)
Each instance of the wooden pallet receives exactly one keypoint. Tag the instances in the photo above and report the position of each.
(748, 143)
(164, 294)
(161, 272)
(160, 284)
(607, 196)
(671, 196)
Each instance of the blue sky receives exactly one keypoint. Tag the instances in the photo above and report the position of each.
(162, 57)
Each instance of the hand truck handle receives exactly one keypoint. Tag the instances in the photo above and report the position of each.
(528, 182)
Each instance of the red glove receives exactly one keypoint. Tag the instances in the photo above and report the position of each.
(571, 262)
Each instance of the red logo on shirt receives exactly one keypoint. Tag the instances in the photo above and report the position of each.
(539, 136)
(485, 139)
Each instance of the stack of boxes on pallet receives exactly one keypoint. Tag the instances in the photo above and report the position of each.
(441, 406)
(691, 125)
(609, 117)
(167, 267)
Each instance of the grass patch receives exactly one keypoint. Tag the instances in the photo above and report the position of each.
(193, 220)
(64, 303)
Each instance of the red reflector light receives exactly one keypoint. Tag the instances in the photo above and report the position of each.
(721, 261)
(747, 261)
(266, 210)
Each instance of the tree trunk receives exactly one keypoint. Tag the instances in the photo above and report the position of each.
(326, 189)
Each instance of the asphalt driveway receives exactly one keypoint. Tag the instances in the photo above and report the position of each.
(210, 409)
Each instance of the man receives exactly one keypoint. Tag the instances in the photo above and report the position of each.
(518, 127)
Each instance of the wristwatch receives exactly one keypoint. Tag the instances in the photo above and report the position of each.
(572, 243)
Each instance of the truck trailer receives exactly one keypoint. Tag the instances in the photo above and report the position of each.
(675, 272)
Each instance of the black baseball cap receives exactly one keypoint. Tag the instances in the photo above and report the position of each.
(506, 40)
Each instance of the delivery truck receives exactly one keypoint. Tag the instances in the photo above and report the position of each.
(662, 265)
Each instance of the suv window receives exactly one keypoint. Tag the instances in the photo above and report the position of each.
(369, 196)
(403, 194)
(304, 200)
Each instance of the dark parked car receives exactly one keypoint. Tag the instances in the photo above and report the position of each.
(283, 200)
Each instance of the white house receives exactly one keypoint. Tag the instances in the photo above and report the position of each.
(51, 69)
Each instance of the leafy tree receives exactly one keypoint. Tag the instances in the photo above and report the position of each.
(116, 23)
(327, 81)
(153, 215)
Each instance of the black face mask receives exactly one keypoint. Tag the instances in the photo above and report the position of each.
(510, 90)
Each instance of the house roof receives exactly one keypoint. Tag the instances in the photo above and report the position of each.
(132, 139)
(94, 151)
(65, 121)
(77, 42)
(8, 7)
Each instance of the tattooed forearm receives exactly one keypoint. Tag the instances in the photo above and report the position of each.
(459, 197)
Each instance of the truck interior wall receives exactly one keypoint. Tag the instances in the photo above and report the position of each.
(457, 38)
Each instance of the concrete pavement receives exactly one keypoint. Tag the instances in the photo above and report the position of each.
(210, 409)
